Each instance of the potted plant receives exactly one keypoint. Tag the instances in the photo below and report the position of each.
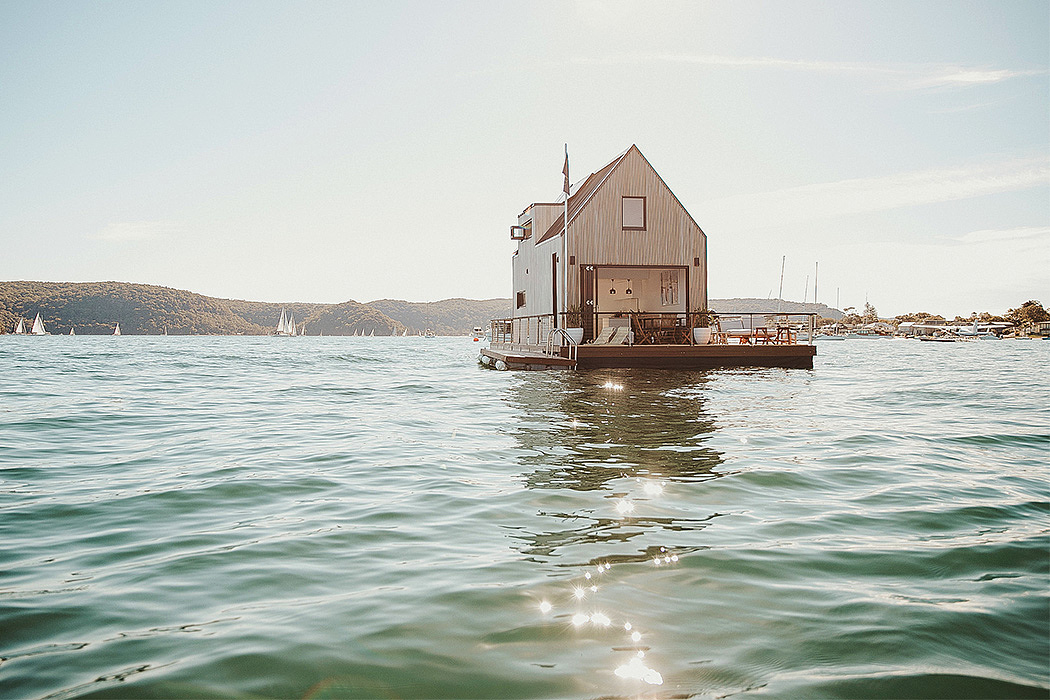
(702, 326)
(574, 323)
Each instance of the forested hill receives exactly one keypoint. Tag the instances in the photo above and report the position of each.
(751, 305)
(448, 317)
(95, 307)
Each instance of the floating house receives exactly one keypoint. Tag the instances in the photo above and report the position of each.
(614, 274)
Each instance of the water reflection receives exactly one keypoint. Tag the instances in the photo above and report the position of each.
(613, 459)
(630, 433)
(581, 430)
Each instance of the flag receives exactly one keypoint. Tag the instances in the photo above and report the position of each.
(565, 171)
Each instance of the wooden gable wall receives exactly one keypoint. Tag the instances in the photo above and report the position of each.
(671, 238)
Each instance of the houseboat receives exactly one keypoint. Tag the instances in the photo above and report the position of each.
(614, 274)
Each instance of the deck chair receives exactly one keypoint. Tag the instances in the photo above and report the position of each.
(717, 334)
(605, 337)
(620, 337)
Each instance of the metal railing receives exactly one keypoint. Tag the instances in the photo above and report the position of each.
(571, 344)
(755, 328)
(735, 327)
(522, 330)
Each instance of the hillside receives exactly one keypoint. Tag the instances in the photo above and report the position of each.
(448, 317)
(751, 305)
(93, 308)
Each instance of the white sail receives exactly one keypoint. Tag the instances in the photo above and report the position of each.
(21, 328)
(372, 334)
(38, 326)
(291, 325)
(71, 332)
(116, 329)
(282, 325)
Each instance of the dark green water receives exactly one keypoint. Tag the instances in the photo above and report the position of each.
(382, 518)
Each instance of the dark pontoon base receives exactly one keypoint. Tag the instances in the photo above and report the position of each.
(661, 356)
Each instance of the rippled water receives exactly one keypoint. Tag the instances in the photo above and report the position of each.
(383, 518)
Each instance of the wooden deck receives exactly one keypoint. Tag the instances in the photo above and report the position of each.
(521, 358)
(658, 356)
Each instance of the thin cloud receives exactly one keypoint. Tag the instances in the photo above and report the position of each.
(129, 231)
(965, 77)
(862, 195)
(915, 76)
(1021, 233)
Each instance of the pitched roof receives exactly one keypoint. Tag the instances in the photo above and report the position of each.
(582, 196)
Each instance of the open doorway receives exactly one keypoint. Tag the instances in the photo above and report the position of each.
(641, 290)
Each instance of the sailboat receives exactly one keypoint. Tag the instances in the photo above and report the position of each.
(286, 326)
(404, 333)
(20, 329)
(38, 327)
(116, 329)
(71, 331)
(372, 334)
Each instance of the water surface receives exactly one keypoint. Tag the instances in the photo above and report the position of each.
(383, 518)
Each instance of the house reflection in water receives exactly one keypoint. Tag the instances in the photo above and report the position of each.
(622, 433)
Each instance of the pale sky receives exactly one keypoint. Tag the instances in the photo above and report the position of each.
(325, 151)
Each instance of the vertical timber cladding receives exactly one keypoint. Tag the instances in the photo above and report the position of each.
(533, 263)
(671, 237)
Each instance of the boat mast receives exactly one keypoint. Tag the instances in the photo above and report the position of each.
(780, 294)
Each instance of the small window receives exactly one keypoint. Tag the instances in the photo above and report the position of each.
(521, 233)
(521, 299)
(634, 213)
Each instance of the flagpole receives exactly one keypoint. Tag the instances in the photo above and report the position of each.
(563, 300)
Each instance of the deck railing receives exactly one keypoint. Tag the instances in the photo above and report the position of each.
(635, 328)
(522, 330)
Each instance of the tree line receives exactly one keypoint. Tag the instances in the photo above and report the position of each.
(93, 308)
(1023, 317)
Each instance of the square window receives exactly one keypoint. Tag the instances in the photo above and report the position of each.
(521, 299)
(634, 213)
